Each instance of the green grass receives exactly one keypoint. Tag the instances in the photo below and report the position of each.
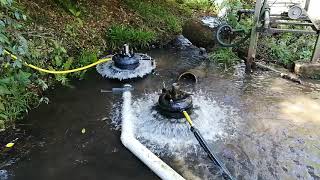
(117, 35)
(16, 96)
(157, 15)
(224, 56)
(286, 48)
(70, 6)
(203, 5)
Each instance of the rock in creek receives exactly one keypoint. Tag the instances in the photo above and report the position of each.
(201, 31)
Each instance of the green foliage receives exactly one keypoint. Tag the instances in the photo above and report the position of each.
(72, 29)
(117, 35)
(86, 57)
(287, 48)
(224, 56)
(156, 15)
(232, 18)
(17, 92)
(70, 6)
(204, 5)
(6, 2)
(16, 95)
(283, 49)
(20, 87)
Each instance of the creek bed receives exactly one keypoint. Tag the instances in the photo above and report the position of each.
(262, 127)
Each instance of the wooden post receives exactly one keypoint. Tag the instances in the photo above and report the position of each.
(254, 37)
(316, 52)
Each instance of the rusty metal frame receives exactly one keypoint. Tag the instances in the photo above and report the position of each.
(255, 35)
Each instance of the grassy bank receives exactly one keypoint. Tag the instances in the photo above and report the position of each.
(66, 34)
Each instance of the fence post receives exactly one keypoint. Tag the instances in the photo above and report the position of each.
(254, 37)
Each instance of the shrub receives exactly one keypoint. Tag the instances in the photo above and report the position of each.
(224, 56)
(204, 5)
(70, 6)
(118, 35)
(157, 15)
(286, 48)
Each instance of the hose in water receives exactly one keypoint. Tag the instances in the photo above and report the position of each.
(204, 145)
(58, 72)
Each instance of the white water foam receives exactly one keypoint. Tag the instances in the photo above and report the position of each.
(109, 70)
(171, 139)
(167, 136)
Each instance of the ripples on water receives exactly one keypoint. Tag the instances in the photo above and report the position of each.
(242, 118)
(172, 137)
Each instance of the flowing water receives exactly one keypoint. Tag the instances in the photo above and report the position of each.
(261, 126)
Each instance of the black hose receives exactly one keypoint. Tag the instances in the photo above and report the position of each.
(212, 156)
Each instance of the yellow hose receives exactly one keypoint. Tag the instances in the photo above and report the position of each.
(59, 72)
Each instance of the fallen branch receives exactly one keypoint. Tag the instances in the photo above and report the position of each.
(287, 76)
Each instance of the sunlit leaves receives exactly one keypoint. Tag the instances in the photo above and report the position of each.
(6, 2)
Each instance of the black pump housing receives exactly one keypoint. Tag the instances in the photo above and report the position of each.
(126, 62)
(172, 102)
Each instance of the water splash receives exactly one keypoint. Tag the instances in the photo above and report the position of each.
(212, 22)
(109, 70)
(160, 133)
(4, 174)
(171, 138)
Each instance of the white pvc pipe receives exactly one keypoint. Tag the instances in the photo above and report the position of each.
(144, 154)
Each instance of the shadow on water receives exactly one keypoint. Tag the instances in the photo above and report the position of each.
(262, 127)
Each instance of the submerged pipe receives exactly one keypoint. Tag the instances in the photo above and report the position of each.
(139, 150)
(193, 74)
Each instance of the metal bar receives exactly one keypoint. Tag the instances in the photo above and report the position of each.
(276, 15)
(293, 23)
(298, 31)
(277, 3)
(306, 7)
(267, 18)
(254, 37)
(316, 52)
(303, 18)
(281, 2)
